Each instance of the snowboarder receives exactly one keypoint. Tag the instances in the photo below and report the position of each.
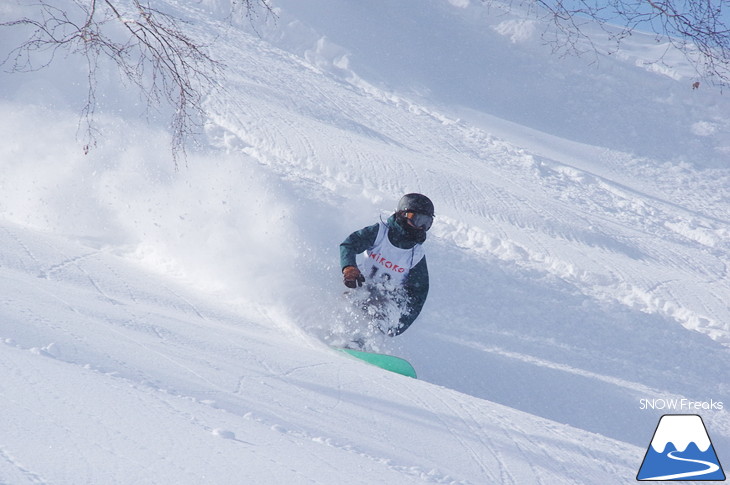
(394, 269)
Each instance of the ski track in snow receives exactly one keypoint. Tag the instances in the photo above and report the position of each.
(540, 213)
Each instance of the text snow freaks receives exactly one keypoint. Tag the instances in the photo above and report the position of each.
(680, 404)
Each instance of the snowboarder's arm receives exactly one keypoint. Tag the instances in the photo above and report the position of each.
(417, 291)
(356, 243)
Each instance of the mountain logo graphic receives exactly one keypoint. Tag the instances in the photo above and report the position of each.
(681, 450)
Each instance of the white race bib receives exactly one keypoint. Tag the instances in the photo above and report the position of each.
(387, 263)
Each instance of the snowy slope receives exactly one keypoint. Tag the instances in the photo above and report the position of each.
(166, 327)
(111, 375)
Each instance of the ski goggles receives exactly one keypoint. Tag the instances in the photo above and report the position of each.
(421, 221)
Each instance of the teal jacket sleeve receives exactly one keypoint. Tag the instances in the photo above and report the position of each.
(356, 243)
(416, 287)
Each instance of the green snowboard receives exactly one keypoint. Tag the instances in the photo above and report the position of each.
(387, 362)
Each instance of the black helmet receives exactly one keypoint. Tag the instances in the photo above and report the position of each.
(415, 211)
(416, 203)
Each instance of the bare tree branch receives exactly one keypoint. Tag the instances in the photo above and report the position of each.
(698, 28)
(149, 47)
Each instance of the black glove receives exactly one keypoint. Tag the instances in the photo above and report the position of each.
(352, 276)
